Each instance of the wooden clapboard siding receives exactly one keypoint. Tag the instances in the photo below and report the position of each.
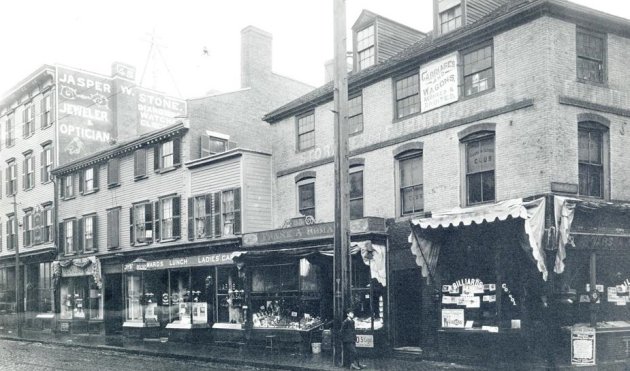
(256, 192)
(216, 176)
(393, 38)
(476, 9)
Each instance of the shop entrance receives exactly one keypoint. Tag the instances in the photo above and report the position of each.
(113, 304)
(407, 294)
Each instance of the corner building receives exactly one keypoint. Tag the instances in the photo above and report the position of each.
(492, 146)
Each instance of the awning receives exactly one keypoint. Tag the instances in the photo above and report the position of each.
(532, 212)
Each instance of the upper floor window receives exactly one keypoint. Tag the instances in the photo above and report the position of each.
(169, 218)
(11, 232)
(141, 223)
(366, 47)
(87, 232)
(306, 197)
(27, 228)
(167, 154)
(200, 217)
(213, 143)
(67, 187)
(47, 111)
(46, 163)
(451, 19)
(88, 181)
(231, 211)
(28, 172)
(356, 192)
(47, 230)
(480, 186)
(407, 96)
(113, 228)
(28, 121)
(411, 183)
(591, 56)
(140, 163)
(11, 178)
(355, 115)
(591, 159)
(68, 236)
(306, 132)
(478, 69)
(9, 137)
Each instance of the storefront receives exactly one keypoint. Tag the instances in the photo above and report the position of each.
(486, 269)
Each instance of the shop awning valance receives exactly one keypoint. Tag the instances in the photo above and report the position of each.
(427, 250)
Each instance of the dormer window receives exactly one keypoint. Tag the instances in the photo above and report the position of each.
(366, 54)
(451, 19)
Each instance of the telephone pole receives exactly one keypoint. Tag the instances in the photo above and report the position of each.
(18, 291)
(342, 298)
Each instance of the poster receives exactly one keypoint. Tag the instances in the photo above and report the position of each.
(439, 83)
(583, 346)
(365, 341)
(453, 318)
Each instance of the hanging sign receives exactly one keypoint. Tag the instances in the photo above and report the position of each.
(583, 346)
(438, 83)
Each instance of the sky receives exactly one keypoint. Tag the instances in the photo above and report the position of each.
(91, 35)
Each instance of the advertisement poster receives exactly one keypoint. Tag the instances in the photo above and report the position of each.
(583, 346)
(453, 318)
(439, 83)
(85, 114)
(365, 341)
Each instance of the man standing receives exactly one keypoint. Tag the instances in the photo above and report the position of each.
(349, 339)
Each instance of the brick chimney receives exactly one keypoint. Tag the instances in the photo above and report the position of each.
(255, 55)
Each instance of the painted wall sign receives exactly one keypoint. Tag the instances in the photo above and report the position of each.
(156, 111)
(583, 345)
(439, 83)
(189, 261)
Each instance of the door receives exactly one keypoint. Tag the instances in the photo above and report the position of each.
(113, 304)
(407, 306)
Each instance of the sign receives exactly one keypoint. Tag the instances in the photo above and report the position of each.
(365, 341)
(480, 156)
(157, 111)
(124, 70)
(439, 83)
(189, 261)
(453, 318)
(583, 346)
(85, 116)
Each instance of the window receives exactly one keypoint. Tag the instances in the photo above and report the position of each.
(67, 187)
(67, 237)
(113, 228)
(27, 228)
(355, 115)
(11, 232)
(141, 229)
(28, 172)
(231, 208)
(200, 217)
(306, 132)
(211, 145)
(113, 172)
(478, 70)
(87, 230)
(88, 180)
(169, 217)
(407, 97)
(167, 154)
(46, 163)
(47, 112)
(480, 168)
(591, 56)
(140, 163)
(411, 183)
(306, 197)
(11, 178)
(356, 192)
(451, 19)
(365, 48)
(28, 124)
(590, 160)
(47, 235)
(10, 131)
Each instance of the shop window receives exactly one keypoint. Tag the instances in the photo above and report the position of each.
(47, 114)
(411, 192)
(355, 115)
(9, 137)
(305, 131)
(81, 299)
(169, 226)
(230, 296)
(167, 155)
(28, 171)
(141, 223)
(590, 56)
(7, 290)
(231, 211)
(11, 178)
(591, 159)
(27, 228)
(480, 178)
(140, 163)
(67, 187)
(366, 49)
(46, 163)
(407, 96)
(39, 293)
(147, 299)
(478, 69)
(306, 197)
(68, 236)
(28, 121)
(88, 180)
(113, 228)
(113, 172)
(11, 232)
(87, 233)
(451, 19)
(356, 192)
(367, 295)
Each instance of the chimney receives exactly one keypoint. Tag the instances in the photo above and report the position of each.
(329, 67)
(255, 55)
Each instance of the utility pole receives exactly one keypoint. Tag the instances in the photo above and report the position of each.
(18, 291)
(342, 207)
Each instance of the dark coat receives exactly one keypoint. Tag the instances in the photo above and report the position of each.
(348, 332)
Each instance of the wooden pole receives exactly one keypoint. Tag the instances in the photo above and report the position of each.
(342, 206)
(18, 291)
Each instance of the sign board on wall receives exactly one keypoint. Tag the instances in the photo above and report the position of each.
(85, 116)
(439, 83)
(156, 111)
(583, 344)
(365, 341)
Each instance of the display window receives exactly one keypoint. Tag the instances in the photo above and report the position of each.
(81, 299)
(7, 290)
(367, 295)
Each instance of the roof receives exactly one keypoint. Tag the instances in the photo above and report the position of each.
(508, 16)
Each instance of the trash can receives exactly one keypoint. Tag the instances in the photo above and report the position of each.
(316, 348)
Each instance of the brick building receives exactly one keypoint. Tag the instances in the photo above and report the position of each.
(499, 113)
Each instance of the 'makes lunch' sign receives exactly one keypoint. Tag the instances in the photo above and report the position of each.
(438, 83)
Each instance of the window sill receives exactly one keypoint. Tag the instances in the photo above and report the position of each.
(10, 145)
(68, 198)
(463, 97)
(28, 136)
(408, 217)
(166, 169)
(140, 177)
(399, 119)
(300, 150)
(47, 182)
(113, 248)
(141, 244)
(169, 240)
(110, 186)
(85, 193)
(594, 83)
(47, 126)
(28, 189)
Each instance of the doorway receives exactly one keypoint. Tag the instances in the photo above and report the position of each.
(113, 304)
(407, 306)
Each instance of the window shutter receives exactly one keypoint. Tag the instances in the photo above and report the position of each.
(113, 171)
(42, 161)
(75, 236)
(42, 112)
(208, 217)
(191, 219)
(62, 187)
(81, 179)
(37, 112)
(60, 238)
(24, 127)
(0, 236)
(156, 157)
(140, 163)
(95, 177)
(24, 183)
(177, 222)
(131, 229)
(7, 176)
(232, 145)
(44, 234)
(177, 151)
(237, 211)
(110, 229)
(79, 232)
(95, 232)
(156, 221)
(52, 107)
(24, 232)
(217, 214)
(204, 146)
(148, 219)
